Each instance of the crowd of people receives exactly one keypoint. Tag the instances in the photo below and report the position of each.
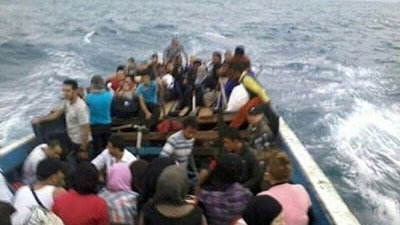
(92, 178)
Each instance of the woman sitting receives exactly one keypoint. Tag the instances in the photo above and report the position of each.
(121, 200)
(168, 205)
(127, 89)
(262, 210)
(222, 197)
(294, 198)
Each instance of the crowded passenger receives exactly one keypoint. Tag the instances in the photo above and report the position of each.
(118, 78)
(151, 175)
(180, 144)
(138, 169)
(115, 152)
(99, 102)
(148, 100)
(168, 205)
(294, 198)
(261, 136)
(127, 89)
(88, 208)
(76, 117)
(50, 176)
(250, 173)
(262, 210)
(131, 67)
(174, 49)
(121, 200)
(222, 197)
(50, 150)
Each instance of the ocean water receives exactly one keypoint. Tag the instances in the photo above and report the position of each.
(332, 69)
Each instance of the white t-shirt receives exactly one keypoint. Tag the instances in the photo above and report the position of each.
(168, 80)
(5, 193)
(24, 199)
(76, 115)
(31, 163)
(237, 99)
(106, 160)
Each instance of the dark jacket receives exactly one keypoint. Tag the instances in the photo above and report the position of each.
(251, 174)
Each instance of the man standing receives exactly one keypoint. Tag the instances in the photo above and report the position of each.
(99, 102)
(50, 150)
(180, 144)
(76, 118)
(173, 50)
(250, 175)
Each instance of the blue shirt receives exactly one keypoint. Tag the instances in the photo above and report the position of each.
(100, 107)
(149, 93)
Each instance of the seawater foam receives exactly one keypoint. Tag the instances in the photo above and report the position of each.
(41, 93)
(368, 139)
(87, 38)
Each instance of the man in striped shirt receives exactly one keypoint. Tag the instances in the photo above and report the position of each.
(180, 144)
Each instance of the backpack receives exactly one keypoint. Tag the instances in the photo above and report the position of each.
(40, 215)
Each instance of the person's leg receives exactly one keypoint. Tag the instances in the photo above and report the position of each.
(97, 139)
(240, 116)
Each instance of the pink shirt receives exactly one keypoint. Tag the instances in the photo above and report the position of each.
(76, 209)
(294, 200)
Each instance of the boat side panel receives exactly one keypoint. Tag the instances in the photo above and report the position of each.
(12, 160)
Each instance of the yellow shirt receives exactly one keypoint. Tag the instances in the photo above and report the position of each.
(254, 87)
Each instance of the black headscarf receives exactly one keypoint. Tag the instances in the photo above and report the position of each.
(261, 209)
(151, 175)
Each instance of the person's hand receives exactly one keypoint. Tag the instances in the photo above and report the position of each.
(35, 121)
(148, 115)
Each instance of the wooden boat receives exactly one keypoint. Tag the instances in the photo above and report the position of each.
(329, 208)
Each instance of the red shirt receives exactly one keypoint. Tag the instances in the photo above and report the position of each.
(115, 83)
(76, 209)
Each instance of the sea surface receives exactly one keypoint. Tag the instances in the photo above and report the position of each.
(332, 69)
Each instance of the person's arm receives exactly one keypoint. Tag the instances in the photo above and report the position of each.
(252, 85)
(185, 54)
(100, 161)
(143, 107)
(168, 149)
(85, 136)
(203, 220)
(56, 113)
(83, 121)
(256, 175)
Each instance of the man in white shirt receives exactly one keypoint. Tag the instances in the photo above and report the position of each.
(40, 152)
(115, 152)
(76, 117)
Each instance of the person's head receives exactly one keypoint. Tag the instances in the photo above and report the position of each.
(232, 140)
(263, 209)
(175, 42)
(216, 57)
(131, 62)
(53, 149)
(228, 55)
(228, 168)
(235, 68)
(201, 72)
(255, 115)
(97, 83)
(190, 127)
(85, 179)
(138, 169)
(115, 145)
(70, 89)
(172, 186)
(154, 58)
(152, 173)
(120, 72)
(196, 64)
(119, 177)
(279, 168)
(146, 79)
(51, 171)
(239, 50)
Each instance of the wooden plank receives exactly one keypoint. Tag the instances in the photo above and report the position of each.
(155, 136)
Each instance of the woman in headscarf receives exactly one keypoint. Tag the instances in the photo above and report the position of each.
(168, 205)
(151, 175)
(223, 198)
(121, 200)
(262, 210)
